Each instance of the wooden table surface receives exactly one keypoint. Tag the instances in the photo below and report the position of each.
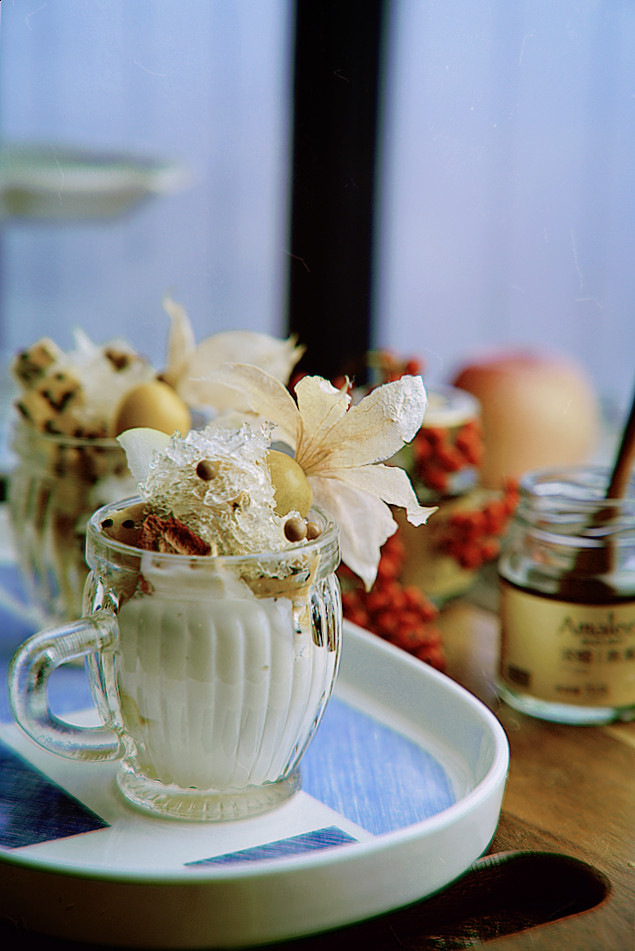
(561, 870)
(571, 790)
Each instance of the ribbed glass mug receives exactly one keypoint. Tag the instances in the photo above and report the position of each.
(211, 674)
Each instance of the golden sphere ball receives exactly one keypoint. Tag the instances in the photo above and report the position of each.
(154, 405)
(291, 487)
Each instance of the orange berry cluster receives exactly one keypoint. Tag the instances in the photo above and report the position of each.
(402, 615)
(439, 453)
(389, 367)
(472, 536)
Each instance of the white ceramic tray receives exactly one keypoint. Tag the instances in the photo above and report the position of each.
(403, 787)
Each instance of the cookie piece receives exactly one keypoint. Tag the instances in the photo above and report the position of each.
(171, 536)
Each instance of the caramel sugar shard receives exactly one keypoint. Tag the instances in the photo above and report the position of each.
(170, 536)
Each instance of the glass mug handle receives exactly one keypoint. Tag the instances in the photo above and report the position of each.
(29, 672)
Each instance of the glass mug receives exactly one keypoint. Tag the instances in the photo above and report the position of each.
(210, 674)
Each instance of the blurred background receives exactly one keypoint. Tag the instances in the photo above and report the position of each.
(505, 190)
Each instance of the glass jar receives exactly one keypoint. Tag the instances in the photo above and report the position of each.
(57, 482)
(567, 578)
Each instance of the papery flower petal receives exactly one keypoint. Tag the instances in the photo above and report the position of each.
(246, 387)
(321, 404)
(275, 357)
(206, 393)
(340, 448)
(181, 341)
(141, 446)
(322, 408)
(85, 347)
(388, 483)
(189, 364)
(377, 427)
(365, 523)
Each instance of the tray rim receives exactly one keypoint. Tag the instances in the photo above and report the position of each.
(247, 905)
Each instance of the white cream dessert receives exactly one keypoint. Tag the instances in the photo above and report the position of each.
(218, 693)
(226, 654)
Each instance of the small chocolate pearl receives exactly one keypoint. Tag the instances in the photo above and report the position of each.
(206, 470)
(107, 523)
(128, 523)
(295, 529)
(313, 531)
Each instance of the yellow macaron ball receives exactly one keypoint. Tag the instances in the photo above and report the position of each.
(291, 486)
(154, 405)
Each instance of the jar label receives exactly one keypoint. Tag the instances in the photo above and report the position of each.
(562, 652)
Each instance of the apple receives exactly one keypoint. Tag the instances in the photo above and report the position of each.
(537, 409)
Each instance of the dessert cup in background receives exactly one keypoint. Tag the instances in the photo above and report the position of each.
(70, 406)
(56, 483)
(464, 534)
(210, 673)
(66, 462)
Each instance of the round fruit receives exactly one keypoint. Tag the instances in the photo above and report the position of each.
(292, 490)
(154, 405)
(537, 409)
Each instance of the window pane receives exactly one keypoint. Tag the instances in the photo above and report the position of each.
(508, 200)
(202, 84)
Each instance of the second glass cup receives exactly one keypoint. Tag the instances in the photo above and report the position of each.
(56, 484)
